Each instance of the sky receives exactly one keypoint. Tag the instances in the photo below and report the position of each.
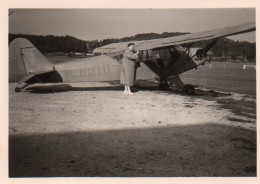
(98, 24)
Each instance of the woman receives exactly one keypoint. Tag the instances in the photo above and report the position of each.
(128, 68)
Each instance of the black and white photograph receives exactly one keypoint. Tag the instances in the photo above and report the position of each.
(132, 92)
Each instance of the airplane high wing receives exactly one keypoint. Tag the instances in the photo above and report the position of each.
(164, 59)
(180, 40)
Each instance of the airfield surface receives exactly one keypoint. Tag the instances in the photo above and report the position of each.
(93, 129)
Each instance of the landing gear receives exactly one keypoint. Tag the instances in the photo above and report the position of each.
(164, 86)
(19, 89)
(188, 89)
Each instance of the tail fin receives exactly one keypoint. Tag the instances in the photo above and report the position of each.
(25, 59)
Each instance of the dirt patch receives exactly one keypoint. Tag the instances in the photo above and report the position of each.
(96, 130)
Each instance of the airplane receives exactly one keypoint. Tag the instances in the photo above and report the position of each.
(163, 59)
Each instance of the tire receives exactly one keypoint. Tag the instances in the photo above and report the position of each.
(164, 86)
(189, 89)
(17, 90)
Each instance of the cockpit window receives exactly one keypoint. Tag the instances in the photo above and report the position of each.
(165, 53)
(160, 57)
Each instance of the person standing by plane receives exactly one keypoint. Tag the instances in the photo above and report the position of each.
(128, 68)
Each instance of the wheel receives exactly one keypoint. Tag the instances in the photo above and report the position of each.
(189, 89)
(17, 90)
(164, 86)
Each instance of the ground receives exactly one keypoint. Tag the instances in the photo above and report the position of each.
(93, 129)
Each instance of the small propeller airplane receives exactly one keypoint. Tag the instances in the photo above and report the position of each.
(164, 59)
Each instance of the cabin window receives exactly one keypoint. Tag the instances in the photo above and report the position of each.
(159, 58)
(166, 57)
(154, 54)
(165, 54)
(175, 52)
(150, 55)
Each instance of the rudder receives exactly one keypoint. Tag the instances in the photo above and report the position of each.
(24, 59)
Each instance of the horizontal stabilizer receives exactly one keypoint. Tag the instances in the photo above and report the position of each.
(26, 78)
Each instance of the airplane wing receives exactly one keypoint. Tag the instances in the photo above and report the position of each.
(179, 40)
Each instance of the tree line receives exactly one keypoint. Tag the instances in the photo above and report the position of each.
(67, 44)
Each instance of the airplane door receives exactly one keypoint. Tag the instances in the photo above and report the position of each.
(163, 58)
(162, 61)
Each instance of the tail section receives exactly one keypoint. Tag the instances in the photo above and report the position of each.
(25, 60)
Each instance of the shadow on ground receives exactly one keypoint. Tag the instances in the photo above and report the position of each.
(57, 88)
(198, 150)
(141, 85)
